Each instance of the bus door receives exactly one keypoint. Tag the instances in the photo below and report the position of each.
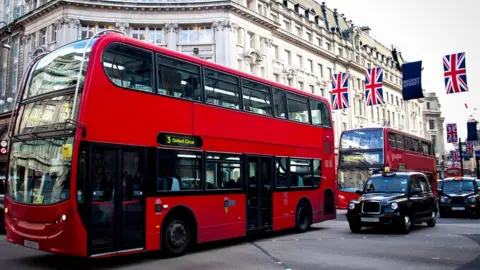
(116, 184)
(259, 192)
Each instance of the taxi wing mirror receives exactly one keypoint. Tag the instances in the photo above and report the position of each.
(439, 190)
(359, 192)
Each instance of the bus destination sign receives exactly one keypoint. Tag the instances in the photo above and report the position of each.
(361, 158)
(169, 139)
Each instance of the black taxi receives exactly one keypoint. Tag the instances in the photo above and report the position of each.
(397, 199)
(459, 195)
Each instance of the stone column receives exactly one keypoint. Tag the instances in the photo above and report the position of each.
(225, 42)
(122, 27)
(25, 46)
(70, 27)
(172, 34)
(269, 57)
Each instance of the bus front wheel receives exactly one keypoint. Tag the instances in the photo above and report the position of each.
(177, 236)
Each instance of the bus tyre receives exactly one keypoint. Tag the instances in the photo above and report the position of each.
(303, 217)
(177, 236)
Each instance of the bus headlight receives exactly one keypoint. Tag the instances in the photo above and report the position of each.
(351, 206)
(394, 205)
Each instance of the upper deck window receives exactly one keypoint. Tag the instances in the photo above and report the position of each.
(320, 114)
(129, 67)
(362, 139)
(256, 98)
(222, 89)
(58, 70)
(178, 79)
(298, 108)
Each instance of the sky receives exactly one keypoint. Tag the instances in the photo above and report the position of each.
(427, 30)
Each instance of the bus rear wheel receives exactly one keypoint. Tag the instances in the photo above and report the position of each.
(303, 217)
(177, 236)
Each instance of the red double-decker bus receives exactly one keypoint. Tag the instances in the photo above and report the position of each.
(139, 148)
(370, 150)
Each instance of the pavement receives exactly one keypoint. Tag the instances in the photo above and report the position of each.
(453, 244)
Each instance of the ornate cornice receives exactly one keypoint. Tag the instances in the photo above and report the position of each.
(225, 25)
(122, 26)
(171, 27)
(253, 57)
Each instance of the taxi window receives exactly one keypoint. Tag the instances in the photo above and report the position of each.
(386, 185)
(458, 185)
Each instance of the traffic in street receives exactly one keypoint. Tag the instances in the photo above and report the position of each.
(454, 243)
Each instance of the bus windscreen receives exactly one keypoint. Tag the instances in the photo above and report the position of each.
(362, 139)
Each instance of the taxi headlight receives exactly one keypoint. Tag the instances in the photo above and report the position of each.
(472, 199)
(394, 206)
(444, 199)
(351, 206)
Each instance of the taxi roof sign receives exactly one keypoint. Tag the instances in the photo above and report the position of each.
(458, 178)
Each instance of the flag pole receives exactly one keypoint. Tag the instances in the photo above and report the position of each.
(461, 158)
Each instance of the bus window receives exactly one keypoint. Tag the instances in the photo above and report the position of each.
(400, 142)
(298, 108)
(256, 98)
(280, 103)
(178, 171)
(281, 172)
(425, 148)
(178, 79)
(408, 143)
(320, 115)
(129, 67)
(223, 172)
(391, 140)
(415, 145)
(300, 172)
(222, 89)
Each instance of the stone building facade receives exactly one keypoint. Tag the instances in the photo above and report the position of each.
(298, 43)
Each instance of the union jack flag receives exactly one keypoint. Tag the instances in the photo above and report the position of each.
(455, 155)
(469, 148)
(374, 86)
(455, 73)
(340, 91)
(452, 133)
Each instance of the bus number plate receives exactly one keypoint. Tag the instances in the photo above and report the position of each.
(30, 244)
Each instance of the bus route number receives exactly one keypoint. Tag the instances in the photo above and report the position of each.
(169, 139)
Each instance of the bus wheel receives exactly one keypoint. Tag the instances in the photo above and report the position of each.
(303, 217)
(177, 236)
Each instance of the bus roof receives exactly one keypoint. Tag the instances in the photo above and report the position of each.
(113, 36)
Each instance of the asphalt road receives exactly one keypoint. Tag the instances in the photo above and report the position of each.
(452, 244)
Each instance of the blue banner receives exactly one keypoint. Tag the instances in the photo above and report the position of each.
(412, 80)
(472, 131)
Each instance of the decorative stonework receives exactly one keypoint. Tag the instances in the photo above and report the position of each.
(68, 21)
(253, 57)
(269, 42)
(122, 26)
(290, 72)
(222, 25)
(171, 27)
(24, 39)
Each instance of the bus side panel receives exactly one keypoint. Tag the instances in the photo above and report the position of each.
(242, 126)
(214, 221)
(283, 210)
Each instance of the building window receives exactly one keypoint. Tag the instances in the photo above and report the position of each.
(320, 42)
(309, 36)
(288, 55)
(299, 31)
(300, 86)
(139, 33)
(428, 105)
(322, 92)
(320, 70)
(287, 25)
(312, 89)
(156, 35)
(251, 39)
(344, 126)
(277, 78)
(277, 52)
(434, 140)
(239, 36)
(329, 46)
(196, 34)
(340, 52)
(431, 124)
(42, 37)
(300, 61)
(310, 65)
(15, 76)
(329, 73)
(87, 30)
(16, 47)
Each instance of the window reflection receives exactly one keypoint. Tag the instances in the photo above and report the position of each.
(223, 172)
(178, 171)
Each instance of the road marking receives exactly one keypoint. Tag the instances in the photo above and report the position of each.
(266, 253)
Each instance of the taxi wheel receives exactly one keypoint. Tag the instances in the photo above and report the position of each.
(406, 225)
(355, 227)
(433, 221)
